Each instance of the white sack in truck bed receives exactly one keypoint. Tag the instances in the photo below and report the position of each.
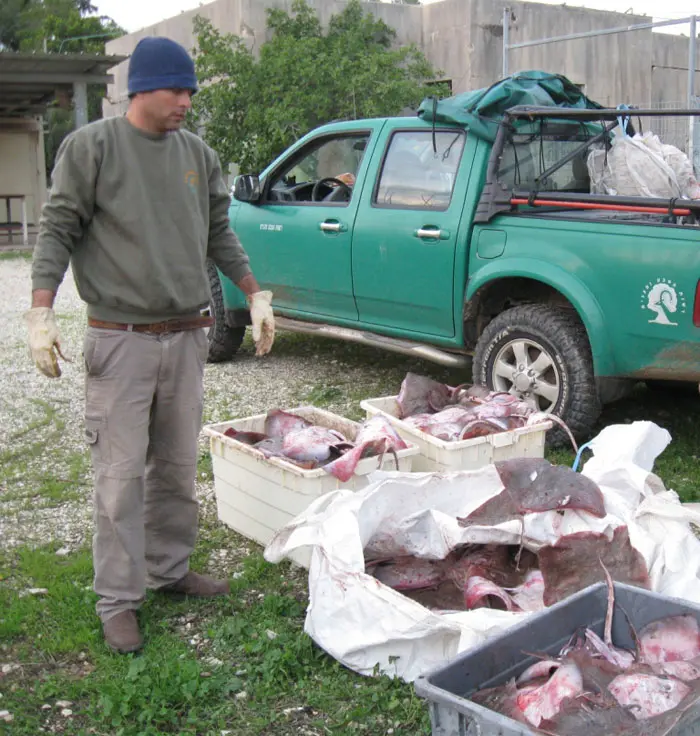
(642, 166)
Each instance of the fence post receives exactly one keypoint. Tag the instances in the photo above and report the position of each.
(692, 63)
(506, 40)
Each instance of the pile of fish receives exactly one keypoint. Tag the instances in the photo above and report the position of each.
(594, 688)
(311, 446)
(464, 412)
(508, 577)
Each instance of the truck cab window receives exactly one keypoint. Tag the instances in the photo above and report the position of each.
(324, 171)
(417, 174)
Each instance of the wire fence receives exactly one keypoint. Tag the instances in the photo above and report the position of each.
(675, 130)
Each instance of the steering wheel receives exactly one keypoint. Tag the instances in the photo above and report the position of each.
(326, 181)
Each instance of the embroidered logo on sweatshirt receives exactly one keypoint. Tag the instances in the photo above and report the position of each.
(192, 180)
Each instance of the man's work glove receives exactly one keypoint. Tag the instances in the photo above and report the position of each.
(43, 340)
(263, 321)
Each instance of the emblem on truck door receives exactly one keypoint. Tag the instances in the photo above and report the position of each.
(661, 296)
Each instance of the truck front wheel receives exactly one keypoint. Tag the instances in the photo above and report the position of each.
(224, 341)
(542, 354)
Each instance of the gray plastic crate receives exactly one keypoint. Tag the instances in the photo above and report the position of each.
(501, 658)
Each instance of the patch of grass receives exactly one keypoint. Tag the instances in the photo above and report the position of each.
(60, 477)
(240, 663)
(13, 255)
(48, 489)
(675, 411)
(50, 421)
(243, 663)
(322, 396)
(205, 472)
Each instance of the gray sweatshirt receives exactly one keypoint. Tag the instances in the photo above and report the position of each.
(136, 214)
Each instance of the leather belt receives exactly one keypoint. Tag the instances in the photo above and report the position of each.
(155, 328)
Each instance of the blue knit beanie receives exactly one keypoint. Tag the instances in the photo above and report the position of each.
(159, 63)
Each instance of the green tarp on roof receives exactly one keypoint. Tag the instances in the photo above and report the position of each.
(481, 111)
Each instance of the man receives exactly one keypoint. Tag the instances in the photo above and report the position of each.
(136, 206)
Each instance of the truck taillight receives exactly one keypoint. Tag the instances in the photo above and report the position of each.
(696, 306)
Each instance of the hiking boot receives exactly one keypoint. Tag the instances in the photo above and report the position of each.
(197, 586)
(122, 633)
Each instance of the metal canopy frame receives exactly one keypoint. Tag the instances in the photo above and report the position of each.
(498, 199)
(29, 82)
(692, 51)
(592, 114)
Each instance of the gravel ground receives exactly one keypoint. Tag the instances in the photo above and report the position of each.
(41, 430)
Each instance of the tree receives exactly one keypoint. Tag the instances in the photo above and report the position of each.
(253, 109)
(57, 26)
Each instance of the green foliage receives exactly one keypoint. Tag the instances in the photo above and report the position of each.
(252, 108)
(49, 24)
(26, 25)
(250, 669)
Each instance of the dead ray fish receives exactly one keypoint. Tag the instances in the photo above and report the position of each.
(279, 423)
(484, 427)
(529, 595)
(686, 671)
(419, 394)
(446, 425)
(270, 446)
(574, 562)
(407, 573)
(648, 695)
(482, 593)
(543, 668)
(534, 485)
(376, 436)
(314, 444)
(671, 639)
(246, 437)
(502, 699)
(490, 561)
(583, 718)
(544, 702)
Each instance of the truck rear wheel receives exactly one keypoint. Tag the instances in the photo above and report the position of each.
(224, 341)
(542, 354)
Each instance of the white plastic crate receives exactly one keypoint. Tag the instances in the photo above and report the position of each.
(256, 495)
(443, 456)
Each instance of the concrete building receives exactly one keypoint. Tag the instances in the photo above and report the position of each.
(464, 39)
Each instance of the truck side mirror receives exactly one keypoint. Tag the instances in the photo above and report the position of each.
(246, 188)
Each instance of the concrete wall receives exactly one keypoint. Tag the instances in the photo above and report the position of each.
(447, 40)
(248, 20)
(669, 71)
(608, 66)
(22, 167)
(463, 39)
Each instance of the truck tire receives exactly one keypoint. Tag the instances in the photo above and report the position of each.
(542, 354)
(224, 341)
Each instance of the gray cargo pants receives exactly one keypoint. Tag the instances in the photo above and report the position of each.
(143, 413)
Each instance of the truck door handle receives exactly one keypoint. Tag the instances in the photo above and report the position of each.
(432, 232)
(332, 226)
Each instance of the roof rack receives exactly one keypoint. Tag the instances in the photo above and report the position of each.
(593, 115)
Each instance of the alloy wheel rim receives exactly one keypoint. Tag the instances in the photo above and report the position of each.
(524, 368)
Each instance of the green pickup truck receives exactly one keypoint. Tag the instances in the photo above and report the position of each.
(424, 238)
